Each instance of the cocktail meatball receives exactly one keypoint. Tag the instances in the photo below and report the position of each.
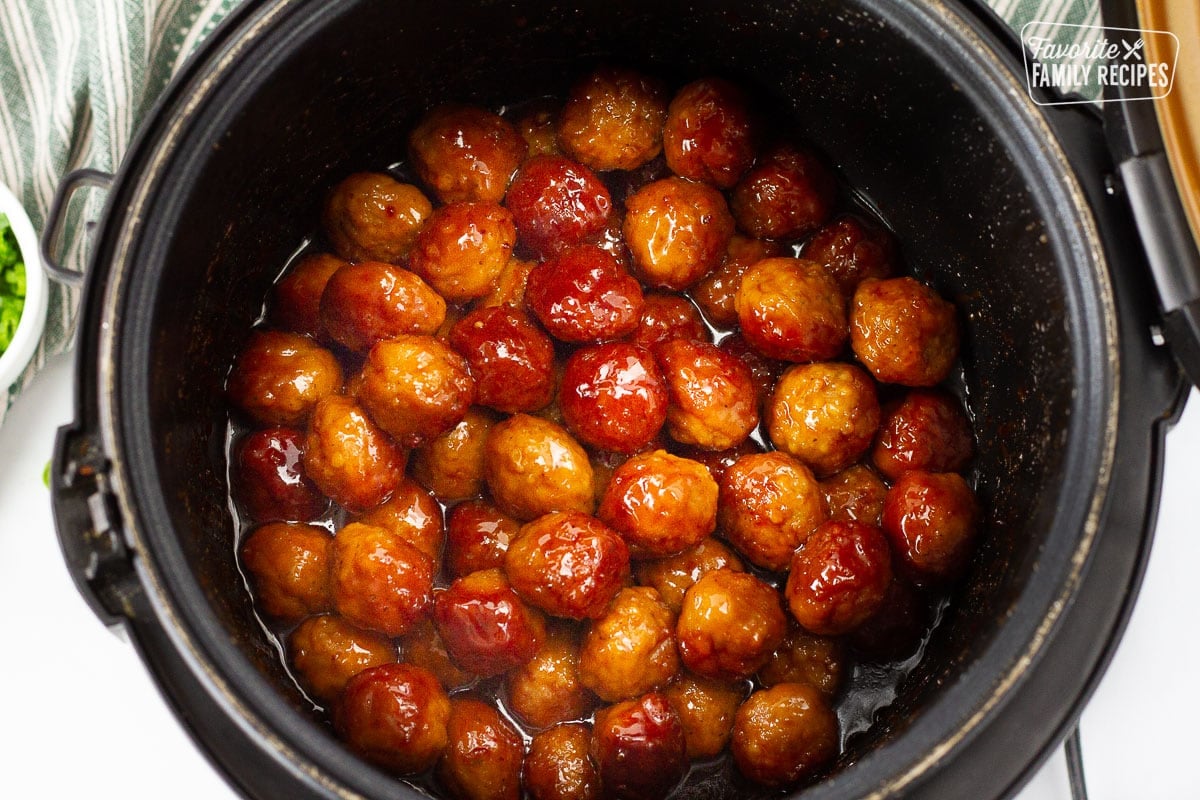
(716, 291)
(783, 734)
(371, 216)
(788, 194)
(395, 715)
(477, 536)
(852, 251)
(466, 154)
(368, 302)
(926, 430)
(279, 377)
(511, 359)
(895, 632)
(463, 248)
(712, 397)
(414, 516)
(289, 567)
(677, 231)
(483, 758)
(930, 519)
(348, 457)
(768, 505)
(613, 119)
(665, 317)
(379, 581)
(805, 657)
(631, 648)
(422, 646)
(718, 462)
(855, 493)
(487, 628)
(613, 396)
(706, 709)
(824, 414)
(672, 576)
(709, 135)
(538, 125)
(639, 748)
(730, 624)
(584, 295)
(559, 765)
(903, 331)
(509, 287)
(271, 484)
(661, 504)
(451, 464)
(839, 577)
(326, 652)
(297, 304)
(557, 203)
(534, 467)
(547, 690)
(791, 309)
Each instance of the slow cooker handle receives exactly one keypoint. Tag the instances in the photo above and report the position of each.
(56, 221)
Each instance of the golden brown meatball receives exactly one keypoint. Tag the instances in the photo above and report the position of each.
(806, 658)
(661, 504)
(297, 303)
(559, 765)
(289, 567)
(534, 467)
(791, 309)
(451, 464)
(508, 289)
(788, 194)
(855, 493)
(326, 652)
(463, 248)
(839, 577)
(416, 388)
(538, 126)
(852, 251)
(482, 760)
(903, 331)
(371, 216)
(677, 231)
(674, 575)
(783, 734)
(709, 135)
(379, 581)
(466, 154)
(613, 119)
(730, 624)
(705, 708)
(824, 414)
(926, 430)
(414, 516)
(713, 403)
(368, 302)
(931, 519)
(349, 458)
(639, 748)
(715, 292)
(422, 646)
(769, 503)
(631, 649)
(279, 378)
(395, 715)
(546, 690)
(487, 628)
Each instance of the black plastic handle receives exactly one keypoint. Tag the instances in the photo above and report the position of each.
(56, 220)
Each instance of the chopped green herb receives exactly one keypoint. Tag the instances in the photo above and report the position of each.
(12, 284)
(46, 475)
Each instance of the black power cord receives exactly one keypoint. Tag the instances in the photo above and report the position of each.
(1074, 749)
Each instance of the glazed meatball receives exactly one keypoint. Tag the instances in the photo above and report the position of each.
(271, 484)
(677, 231)
(926, 430)
(546, 690)
(768, 505)
(791, 309)
(852, 251)
(414, 516)
(584, 295)
(672, 576)
(422, 646)
(839, 577)
(509, 287)
(511, 359)
(855, 493)
(466, 154)
(764, 371)
(665, 317)
(279, 378)
(379, 581)
(326, 652)
(930, 519)
(537, 125)
(709, 135)
(783, 734)
(416, 388)
(903, 331)
(661, 504)
(534, 467)
(477, 536)
(451, 464)
(788, 194)
(483, 757)
(369, 302)
(370, 216)
(639, 748)
(463, 248)
(613, 396)
(730, 624)
(613, 119)
(487, 628)
(716, 291)
(297, 301)
(559, 765)
(348, 457)
(805, 657)
(705, 708)
(713, 404)
(824, 414)
(631, 648)
(567, 564)
(395, 715)
(557, 203)
(897, 629)
(289, 566)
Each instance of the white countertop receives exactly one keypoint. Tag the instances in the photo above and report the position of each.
(82, 718)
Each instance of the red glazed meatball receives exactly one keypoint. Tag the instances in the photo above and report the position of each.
(897, 629)
(422, 646)
(712, 397)
(926, 430)
(631, 648)
(665, 317)
(677, 231)
(730, 624)
(368, 302)
(289, 567)
(839, 577)
(463, 248)
(783, 734)
(546, 690)
(584, 295)
(509, 287)
(271, 484)
(557, 203)
(326, 652)
(791, 309)
(511, 359)
(661, 504)
(534, 467)
(613, 119)
(852, 251)
(415, 387)
(568, 564)
(709, 135)
(804, 657)
(855, 493)
(414, 516)
(559, 765)
(903, 331)
(348, 457)
(639, 748)
(487, 628)
(672, 576)
(379, 581)
(279, 378)
(706, 709)
(613, 396)
(477, 536)
(466, 154)
(788, 194)
(769, 503)
(716, 291)
(370, 216)
(395, 715)
(451, 465)
(297, 303)
(482, 760)
(930, 519)
(824, 414)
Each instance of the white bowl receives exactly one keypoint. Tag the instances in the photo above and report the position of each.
(33, 316)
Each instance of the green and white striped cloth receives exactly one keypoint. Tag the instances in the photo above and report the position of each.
(77, 76)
